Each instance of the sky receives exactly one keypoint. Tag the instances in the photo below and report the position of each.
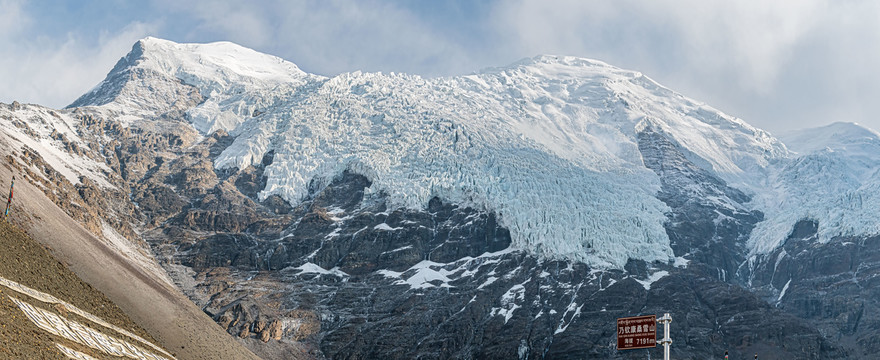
(779, 65)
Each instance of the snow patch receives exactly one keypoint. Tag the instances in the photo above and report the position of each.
(488, 282)
(311, 268)
(396, 250)
(681, 262)
(572, 308)
(421, 275)
(386, 227)
(784, 289)
(509, 302)
(652, 279)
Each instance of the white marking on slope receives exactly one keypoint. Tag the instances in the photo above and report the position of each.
(81, 334)
(46, 298)
(73, 354)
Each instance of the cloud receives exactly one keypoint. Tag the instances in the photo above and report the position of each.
(241, 22)
(329, 37)
(12, 18)
(779, 64)
(752, 39)
(53, 71)
(325, 37)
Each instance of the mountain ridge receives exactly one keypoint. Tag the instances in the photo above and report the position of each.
(520, 210)
(585, 121)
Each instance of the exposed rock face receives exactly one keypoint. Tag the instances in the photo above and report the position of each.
(333, 230)
(832, 285)
(342, 275)
(710, 221)
(348, 273)
(275, 330)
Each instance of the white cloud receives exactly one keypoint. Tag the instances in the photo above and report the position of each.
(755, 59)
(330, 36)
(54, 71)
(242, 22)
(324, 37)
(779, 64)
(12, 18)
(753, 39)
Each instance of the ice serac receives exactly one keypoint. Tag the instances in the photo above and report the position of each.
(548, 144)
(833, 180)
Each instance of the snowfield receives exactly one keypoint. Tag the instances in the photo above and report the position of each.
(834, 179)
(548, 144)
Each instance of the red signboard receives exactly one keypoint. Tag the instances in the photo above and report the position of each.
(637, 332)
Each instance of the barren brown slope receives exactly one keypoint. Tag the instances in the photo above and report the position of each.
(170, 318)
(26, 262)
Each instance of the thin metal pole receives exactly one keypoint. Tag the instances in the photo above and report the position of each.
(666, 341)
(9, 202)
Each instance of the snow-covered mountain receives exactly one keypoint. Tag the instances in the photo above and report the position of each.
(518, 209)
(832, 179)
(53, 135)
(548, 144)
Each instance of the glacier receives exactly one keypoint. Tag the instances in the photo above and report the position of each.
(549, 144)
(833, 178)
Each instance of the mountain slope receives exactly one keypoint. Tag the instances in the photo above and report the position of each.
(488, 140)
(123, 271)
(833, 180)
(26, 262)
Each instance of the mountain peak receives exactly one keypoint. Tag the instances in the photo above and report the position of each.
(216, 60)
(566, 60)
(564, 66)
(210, 67)
(834, 136)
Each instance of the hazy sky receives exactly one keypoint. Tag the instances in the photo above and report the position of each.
(777, 64)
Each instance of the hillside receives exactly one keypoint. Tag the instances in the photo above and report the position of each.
(121, 275)
(26, 262)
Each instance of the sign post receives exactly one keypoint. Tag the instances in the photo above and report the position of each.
(637, 332)
(666, 341)
(640, 332)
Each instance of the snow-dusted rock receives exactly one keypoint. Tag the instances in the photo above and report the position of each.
(549, 144)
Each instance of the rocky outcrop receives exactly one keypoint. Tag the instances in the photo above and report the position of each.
(709, 221)
(344, 275)
(832, 285)
(351, 273)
